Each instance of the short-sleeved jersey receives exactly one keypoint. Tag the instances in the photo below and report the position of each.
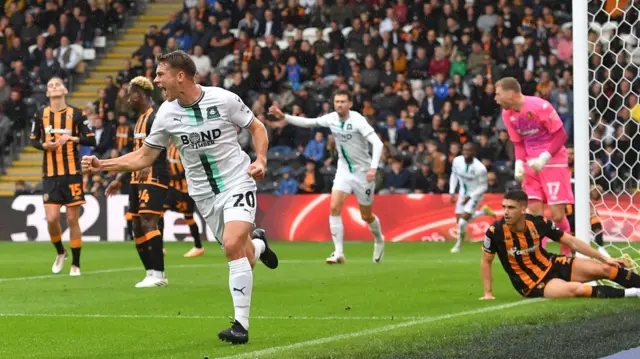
(48, 126)
(520, 253)
(351, 139)
(205, 135)
(177, 178)
(534, 125)
(471, 177)
(124, 137)
(158, 172)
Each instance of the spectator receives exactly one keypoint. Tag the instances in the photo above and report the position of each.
(104, 137)
(494, 185)
(66, 56)
(5, 91)
(203, 62)
(425, 180)
(316, 147)
(287, 185)
(310, 180)
(16, 110)
(398, 179)
(21, 187)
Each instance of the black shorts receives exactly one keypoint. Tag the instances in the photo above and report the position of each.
(561, 268)
(146, 198)
(63, 190)
(178, 201)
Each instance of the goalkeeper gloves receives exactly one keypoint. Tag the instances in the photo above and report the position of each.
(537, 164)
(519, 171)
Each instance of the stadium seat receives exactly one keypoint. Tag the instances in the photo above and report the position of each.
(346, 31)
(309, 34)
(234, 32)
(89, 54)
(325, 34)
(407, 28)
(78, 49)
(282, 44)
(32, 47)
(351, 56)
(100, 42)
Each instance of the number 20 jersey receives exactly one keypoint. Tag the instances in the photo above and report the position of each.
(205, 135)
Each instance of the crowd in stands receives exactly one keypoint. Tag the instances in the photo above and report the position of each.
(37, 42)
(422, 72)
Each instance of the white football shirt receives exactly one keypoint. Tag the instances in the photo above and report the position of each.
(350, 136)
(471, 177)
(205, 134)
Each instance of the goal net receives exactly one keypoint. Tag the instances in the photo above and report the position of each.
(613, 59)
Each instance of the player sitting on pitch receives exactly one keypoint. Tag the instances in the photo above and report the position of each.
(534, 272)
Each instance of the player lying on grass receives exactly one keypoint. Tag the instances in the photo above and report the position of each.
(534, 272)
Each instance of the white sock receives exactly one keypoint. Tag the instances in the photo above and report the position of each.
(631, 292)
(376, 230)
(337, 233)
(259, 246)
(476, 214)
(158, 274)
(462, 231)
(150, 273)
(240, 286)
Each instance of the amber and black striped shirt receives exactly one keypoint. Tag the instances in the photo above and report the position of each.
(158, 173)
(176, 170)
(124, 137)
(521, 253)
(49, 126)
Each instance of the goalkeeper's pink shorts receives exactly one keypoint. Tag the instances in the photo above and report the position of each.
(551, 186)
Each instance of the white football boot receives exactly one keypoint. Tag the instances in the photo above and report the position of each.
(58, 264)
(75, 271)
(153, 280)
(456, 248)
(378, 250)
(335, 259)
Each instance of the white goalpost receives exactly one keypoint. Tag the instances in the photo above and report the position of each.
(606, 88)
(581, 131)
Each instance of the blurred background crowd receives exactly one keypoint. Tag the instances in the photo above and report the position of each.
(422, 72)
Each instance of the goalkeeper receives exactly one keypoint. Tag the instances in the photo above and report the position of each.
(534, 272)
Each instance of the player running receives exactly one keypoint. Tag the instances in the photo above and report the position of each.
(148, 191)
(201, 122)
(179, 200)
(356, 168)
(534, 272)
(471, 174)
(538, 136)
(57, 130)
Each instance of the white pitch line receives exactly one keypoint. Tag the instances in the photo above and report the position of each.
(152, 316)
(202, 265)
(386, 328)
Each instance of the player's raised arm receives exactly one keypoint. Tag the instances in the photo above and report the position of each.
(297, 120)
(154, 144)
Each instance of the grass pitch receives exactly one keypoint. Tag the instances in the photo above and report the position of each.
(420, 302)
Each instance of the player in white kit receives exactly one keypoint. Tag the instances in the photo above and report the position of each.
(468, 172)
(201, 122)
(356, 168)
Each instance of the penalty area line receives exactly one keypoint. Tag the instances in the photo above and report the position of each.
(374, 331)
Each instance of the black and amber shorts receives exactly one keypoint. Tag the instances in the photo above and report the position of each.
(63, 190)
(561, 268)
(178, 201)
(147, 198)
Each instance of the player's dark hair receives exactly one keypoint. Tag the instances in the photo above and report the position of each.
(517, 195)
(179, 60)
(343, 92)
(509, 84)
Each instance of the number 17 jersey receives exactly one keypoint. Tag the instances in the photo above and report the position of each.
(205, 134)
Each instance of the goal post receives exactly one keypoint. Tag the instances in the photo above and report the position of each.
(581, 130)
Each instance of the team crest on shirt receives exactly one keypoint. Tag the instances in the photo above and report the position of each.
(349, 127)
(69, 116)
(212, 113)
(530, 115)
